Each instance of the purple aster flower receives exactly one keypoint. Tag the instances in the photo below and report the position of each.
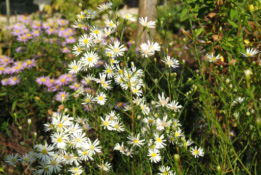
(61, 80)
(61, 96)
(49, 82)
(75, 86)
(100, 63)
(5, 82)
(20, 49)
(24, 19)
(70, 40)
(36, 33)
(50, 31)
(46, 25)
(65, 50)
(29, 63)
(42, 80)
(22, 38)
(130, 43)
(2, 68)
(6, 60)
(17, 69)
(120, 105)
(8, 70)
(13, 80)
(62, 22)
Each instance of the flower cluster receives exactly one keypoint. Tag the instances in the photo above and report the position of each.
(70, 147)
(9, 66)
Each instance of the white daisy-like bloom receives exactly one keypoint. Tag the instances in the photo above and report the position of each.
(90, 14)
(61, 122)
(178, 133)
(74, 67)
(113, 116)
(162, 100)
(128, 152)
(88, 99)
(85, 41)
(95, 31)
(174, 106)
(171, 62)
(145, 109)
(89, 59)
(110, 24)
(212, 58)
(78, 139)
(153, 46)
(154, 155)
(117, 126)
(145, 51)
(146, 23)
(105, 166)
(69, 158)
(162, 124)
(77, 24)
(250, 52)
(74, 128)
(44, 152)
(109, 70)
(105, 84)
(159, 141)
(165, 170)
(135, 141)
(138, 100)
(108, 31)
(105, 6)
(60, 140)
(101, 98)
(84, 154)
(12, 159)
(77, 170)
(43, 168)
(136, 91)
(89, 78)
(175, 123)
(119, 147)
(116, 50)
(77, 49)
(149, 120)
(54, 164)
(186, 143)
(93, 147)
(26, 158)
(197, 152)
(128, 17)
(238, 100)
(106, 123)
(173, 140)
(81, 16)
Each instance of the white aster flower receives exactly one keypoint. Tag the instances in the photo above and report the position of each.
(162, 100)
(105, 166)
(128, 17)
(154, 155)
(212, 58)
(12, 159)
(250, 52)
(165, 170)
(74, 67)
(159, 141)
(105, 6)
(171, 62)
(197, 152)
(174, 106)
(116, 50)
(146, 23)
(135, 141)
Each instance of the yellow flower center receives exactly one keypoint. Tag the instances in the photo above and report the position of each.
(59, 140)
(153, 155)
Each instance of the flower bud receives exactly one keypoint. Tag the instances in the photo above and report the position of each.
(29, 121)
